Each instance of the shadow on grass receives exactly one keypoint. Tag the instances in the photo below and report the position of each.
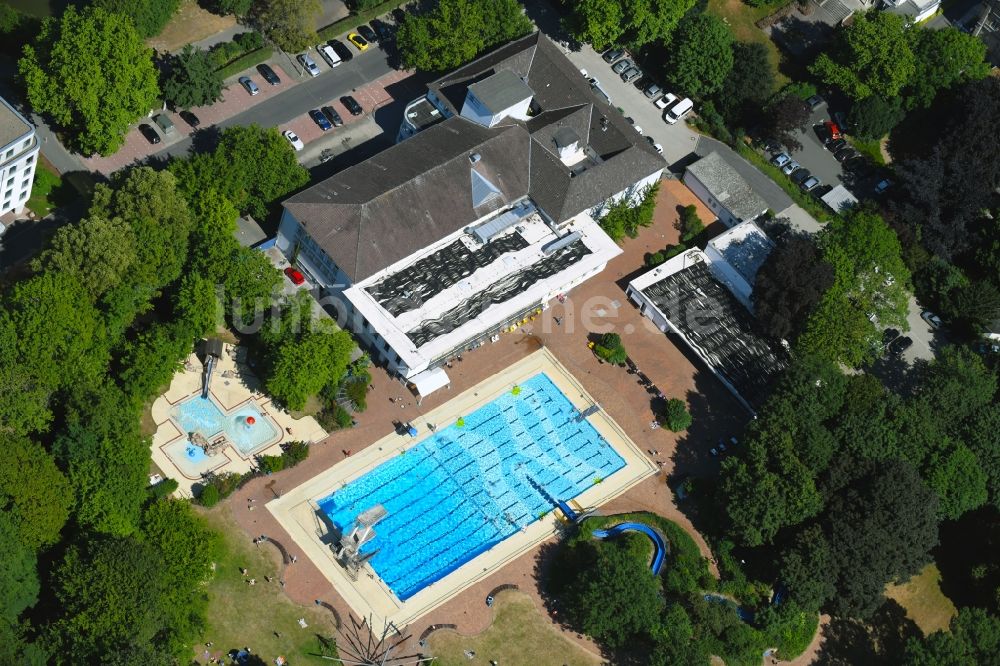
(847, 642)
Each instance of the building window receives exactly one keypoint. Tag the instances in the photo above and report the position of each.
(26, 143)
(30, 160)
(10, 181)
(6, 204)
(24, 194)
(6, 195)
(25, 182)
(10, 153)
(13, 169)
(398, 360)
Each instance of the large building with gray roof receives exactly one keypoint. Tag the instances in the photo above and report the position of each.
(18, 158)
(481, 213)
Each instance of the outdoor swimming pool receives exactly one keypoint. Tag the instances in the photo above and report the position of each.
(204, 416)
(464, 489)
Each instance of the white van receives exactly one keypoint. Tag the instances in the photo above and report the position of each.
(678, 110)
(599, 91)
(331, 57)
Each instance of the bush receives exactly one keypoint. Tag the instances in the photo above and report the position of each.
(676, 416)
(246, 62)
(690, 224)
(335, 417)
(249, 41)
(163, 489)
(611, 349)
(654, 259)
(270, 464)
(294, 453)
(209, 496)
(356, 391)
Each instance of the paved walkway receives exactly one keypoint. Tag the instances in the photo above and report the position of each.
(597, 306)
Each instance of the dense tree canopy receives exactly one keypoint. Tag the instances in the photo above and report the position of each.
(604, 23)
(193, 79)
(91, 72)
(97, 251)
(747, 86)
(944, 59)
(789, 285)
(34, 494)
(973, 639)
(291, 24)
(454, 32)
(701, 55)
(148, 16)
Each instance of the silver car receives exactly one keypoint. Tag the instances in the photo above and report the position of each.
(622, 65)
(250, 86)
(631, 74)
(308, 64)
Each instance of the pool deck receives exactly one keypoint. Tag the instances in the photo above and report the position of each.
(296, 510)
(233, 386)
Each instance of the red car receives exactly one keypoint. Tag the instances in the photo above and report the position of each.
(295, 276)
(833, 129)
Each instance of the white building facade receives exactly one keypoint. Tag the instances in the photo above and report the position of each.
(18, 158)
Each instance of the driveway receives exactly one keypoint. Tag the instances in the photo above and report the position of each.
(813, 155)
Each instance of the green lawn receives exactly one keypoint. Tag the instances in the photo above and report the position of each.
(243, 615)
(519, 635)
(870, 149)
(742, 18)
(48, 191)
(923, 600)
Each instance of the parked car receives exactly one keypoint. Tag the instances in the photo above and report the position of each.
(932, 319)
(631, 74)
(329, 55)
(268, 74)
(678, 111)
(900, 345)
(833, 129)
(789, 167)
(773, 146)
(352, 105)
(308, 64)
(358, 41)
(382, 29)
(189, 118)
(332, 115)
(150, 133)
(295, 275)
(249, 85)
(809, 183)
(622, 65)
(652, 90)
(320, 120)
(888, 335)
(840, 118)
(341, 49)
(367, 33)
(836, 144)
(398, 15)
(613, 54)
(780, 160)
(815, 102)
(293, 139)
(667, 100)
(882, 186)
(800, 176)
(845, 154)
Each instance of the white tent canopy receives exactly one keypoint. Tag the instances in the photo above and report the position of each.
(428, 381)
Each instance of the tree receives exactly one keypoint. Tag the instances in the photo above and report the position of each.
(291, 24)
(235, 7)
(872, 117)
(616, 598)
(92, 73)
(429, 42)
(604, 23)
(148, 16)
(690, 224)
(34, 494)
(625, 216)
(601, 23)
(959, 384)
(97, 251)
(250, 283)
(193, 80)
(944, 58)
(785, 116)
(19, 584)
(789, 285)
(676, 416)
(252, 167)
(973, 639)
(807, 568)
(956, 476)
(871, 56)
(701, 55)
(747, 86)
(151, 360)
(981, 438)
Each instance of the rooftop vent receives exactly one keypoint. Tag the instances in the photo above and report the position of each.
(604, 124)
(474, 157)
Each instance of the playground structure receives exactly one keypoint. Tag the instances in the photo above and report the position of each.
(349, 547)
(213, 352)
(659, 545)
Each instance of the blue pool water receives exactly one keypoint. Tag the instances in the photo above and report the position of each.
(463, 490)
(204, 416)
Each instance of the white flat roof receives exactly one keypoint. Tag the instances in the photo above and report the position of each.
(537, 233)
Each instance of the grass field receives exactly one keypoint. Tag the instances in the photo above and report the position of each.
(519, 635)
(741, 19)
(923, 600)
(260, 617)
(191, 23)
(48, 190)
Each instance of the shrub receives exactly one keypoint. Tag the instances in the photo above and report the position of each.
(674, 251)
(270, 464)
(294, 453)
(163, 489)
(249, 41)
(357, 392)
(690, 224)
(209, 496)
(335, 417)
(654, 259)
(676, 416)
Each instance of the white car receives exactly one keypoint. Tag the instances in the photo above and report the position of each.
(328, 54)
(665, 101)
(780, 160)
(293, 139)
(790, 167)
(308, 64)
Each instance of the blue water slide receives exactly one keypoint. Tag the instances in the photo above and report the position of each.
(658, 543)
(568, 512)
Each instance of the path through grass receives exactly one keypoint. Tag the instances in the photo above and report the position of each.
(519, 635)
(923, 600)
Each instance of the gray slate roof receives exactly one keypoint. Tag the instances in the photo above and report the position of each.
(12, 125)
(728, 186)
(375, 213)
(501, 91)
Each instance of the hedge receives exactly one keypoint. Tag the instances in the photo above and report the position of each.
(354, 19)
(808, 202)
(246, 62)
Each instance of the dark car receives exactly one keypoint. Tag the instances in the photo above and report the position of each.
(613, 54)
(332, 115)
(268, 74)
(398, 15)
(900, 345)
(352, 105)
(320, 119)
(889, 335)
(800, 176)
(836, 144)
(150, 133)
(340, 48)
(815, 102)
(367, 33)
(845, 154)
(189, 118)
(381, 29)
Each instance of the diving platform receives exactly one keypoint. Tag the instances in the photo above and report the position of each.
(349, 547)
